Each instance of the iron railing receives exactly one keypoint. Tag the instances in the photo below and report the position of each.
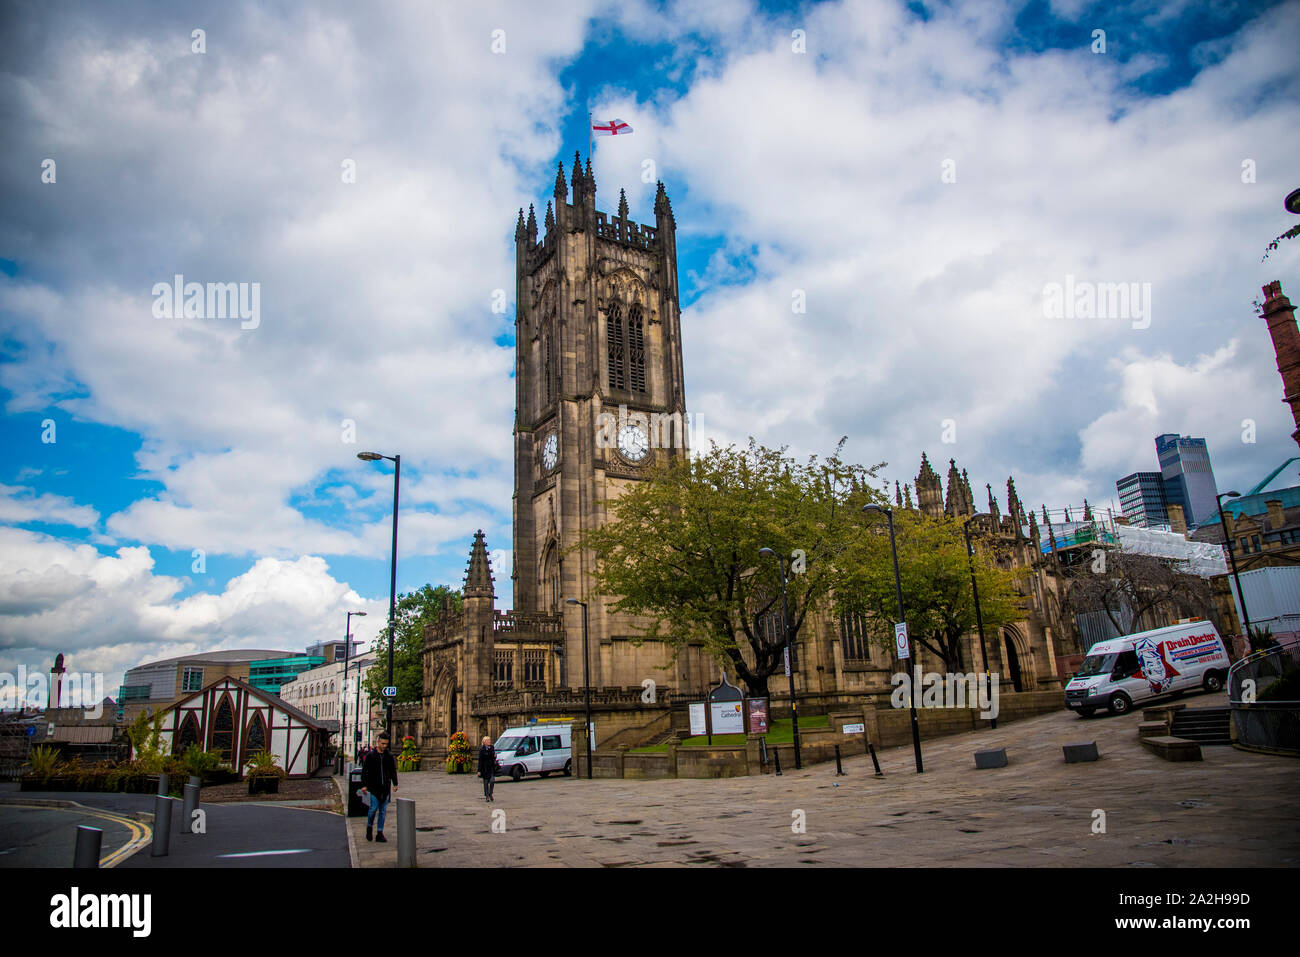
(1259, 722)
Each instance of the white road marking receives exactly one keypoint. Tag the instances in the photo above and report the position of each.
(303, 850)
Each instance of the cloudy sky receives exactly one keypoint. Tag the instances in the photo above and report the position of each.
(916, 173)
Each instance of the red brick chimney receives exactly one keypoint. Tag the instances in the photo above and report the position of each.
(1280, 315)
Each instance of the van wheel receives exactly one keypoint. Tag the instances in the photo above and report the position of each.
(543, 774)
(568, 768)
(1120, 703)
(517, 773)
(1212, 681)
(1087, 712)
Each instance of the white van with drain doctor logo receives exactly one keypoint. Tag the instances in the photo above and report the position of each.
(1121, 672)
(535, 749)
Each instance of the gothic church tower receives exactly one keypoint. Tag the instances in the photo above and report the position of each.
(599, 398)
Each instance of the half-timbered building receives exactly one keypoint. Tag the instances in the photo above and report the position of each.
(239, 720)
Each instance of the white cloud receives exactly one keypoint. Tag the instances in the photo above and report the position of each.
(110, 613)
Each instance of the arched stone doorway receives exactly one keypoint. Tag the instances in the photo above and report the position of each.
(441, 719)
(1014, 674)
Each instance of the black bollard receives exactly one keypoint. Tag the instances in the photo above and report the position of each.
(776, 758)
(839, 768)
(163, 783)
(89, 841)
(872, 748)
(190, 806)
(162, 825)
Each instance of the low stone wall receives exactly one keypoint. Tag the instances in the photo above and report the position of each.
(884, 727)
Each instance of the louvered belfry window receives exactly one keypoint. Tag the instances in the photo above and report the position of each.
(617, 349)
(636, 351)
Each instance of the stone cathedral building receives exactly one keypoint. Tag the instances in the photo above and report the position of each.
(600, 396)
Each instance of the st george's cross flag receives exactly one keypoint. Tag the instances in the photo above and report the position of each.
(611, 128)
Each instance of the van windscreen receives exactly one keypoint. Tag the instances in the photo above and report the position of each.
(1095, 665)
(509, 743)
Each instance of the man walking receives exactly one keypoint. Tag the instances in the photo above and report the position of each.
(487, 766)
(378, 780)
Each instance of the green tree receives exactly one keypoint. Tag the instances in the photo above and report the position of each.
(414, 611)
(682, 548)
(938, 603)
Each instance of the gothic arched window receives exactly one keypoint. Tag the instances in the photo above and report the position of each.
(617, 352)
(256, 738)
(853, 637)
(189, 733)
(636, 350)
(223, 729)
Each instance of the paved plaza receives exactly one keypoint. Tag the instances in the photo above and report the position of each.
(1233, 809)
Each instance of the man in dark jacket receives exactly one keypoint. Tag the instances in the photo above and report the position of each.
(378, 781)
(487, 766)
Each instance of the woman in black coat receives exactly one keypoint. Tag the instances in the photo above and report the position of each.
(487, 766)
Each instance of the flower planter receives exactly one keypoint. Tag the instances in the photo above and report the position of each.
(264, 785)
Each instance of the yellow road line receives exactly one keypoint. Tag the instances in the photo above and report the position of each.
(141, 833)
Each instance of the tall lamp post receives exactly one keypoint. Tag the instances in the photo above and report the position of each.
(392, 581)
(1232, 557)
(789, 654)
(347, 660)
(979, 618)
(898, 589)
(586, 678)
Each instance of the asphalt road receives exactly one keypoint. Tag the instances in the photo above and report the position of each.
(47, 836)
(236, 835)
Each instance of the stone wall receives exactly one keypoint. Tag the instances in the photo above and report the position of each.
(884, 727)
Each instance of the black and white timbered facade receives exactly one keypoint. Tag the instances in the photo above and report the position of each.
(239, 720)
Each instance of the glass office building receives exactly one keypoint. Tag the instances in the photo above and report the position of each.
(270, 674)
(1187, 476)
(1142, 499)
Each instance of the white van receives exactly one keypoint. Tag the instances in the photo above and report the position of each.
(535, 749)
(1121, 672)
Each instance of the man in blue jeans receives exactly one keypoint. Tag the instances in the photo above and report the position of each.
(378, 781)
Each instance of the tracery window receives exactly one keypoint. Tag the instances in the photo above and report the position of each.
(617, 352)
(636, 350)
(853, 637)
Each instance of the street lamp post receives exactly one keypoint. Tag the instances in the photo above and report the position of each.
(347, 660)
(1232, 557)
(979, 618)
(898, 590)
(789, 651)
(586, 678)
(392, 582)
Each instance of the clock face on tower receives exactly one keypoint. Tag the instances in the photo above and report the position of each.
(632, 443)
(550, 451)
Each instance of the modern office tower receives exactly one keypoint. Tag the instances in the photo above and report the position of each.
(1188, 477)
(1142, 499)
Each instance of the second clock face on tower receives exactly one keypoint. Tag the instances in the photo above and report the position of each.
(550, 451)
(632, 443)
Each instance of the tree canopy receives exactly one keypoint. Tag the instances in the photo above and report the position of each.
(414, 611)
(683, 549)
(938, 602)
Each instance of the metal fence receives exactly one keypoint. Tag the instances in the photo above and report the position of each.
(1269, 725)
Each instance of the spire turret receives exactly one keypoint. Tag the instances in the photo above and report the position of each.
(591, 178)
(663, 208)
(478, 576)
(531, 226)
(578, 184)
(519, 227)
(622, 204)
(898, 494)
(550, 218)
(561, 188)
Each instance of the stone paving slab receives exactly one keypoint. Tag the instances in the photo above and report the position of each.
(1233, 809)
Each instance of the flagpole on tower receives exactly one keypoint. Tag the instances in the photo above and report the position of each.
(591, 138)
